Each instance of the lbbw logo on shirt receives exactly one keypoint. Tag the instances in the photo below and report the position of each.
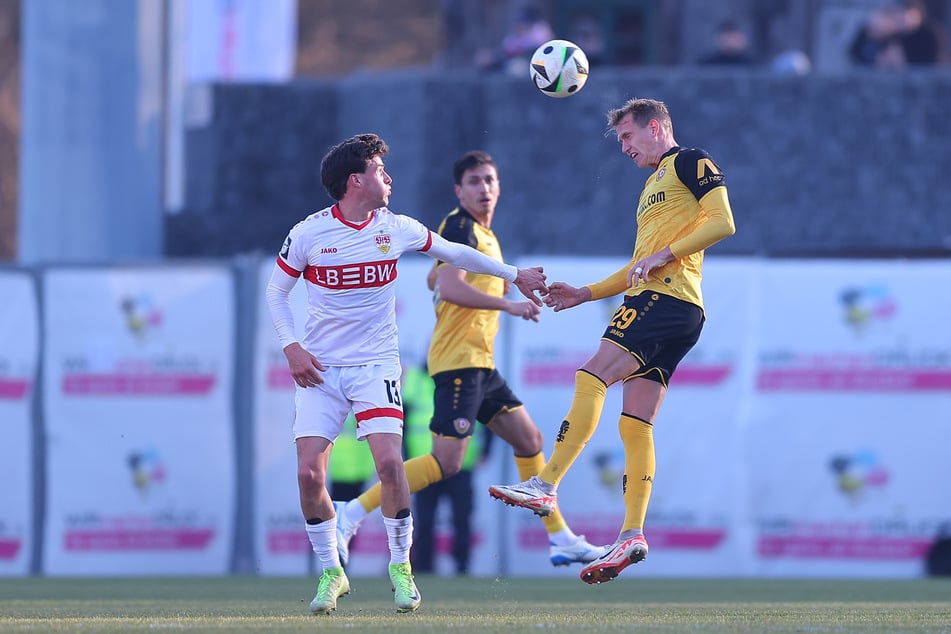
(363, 275)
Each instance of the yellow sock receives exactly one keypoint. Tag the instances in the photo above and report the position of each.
(529, 466)
(639, 464)
(578, 426)
(421, 472)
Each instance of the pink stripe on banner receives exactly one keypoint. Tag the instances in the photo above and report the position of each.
(686, 538)
(9, 548)
(672, 538)
(564, 374)
(875, 548)
(847, 380)
(14, 389)
(701, 374)
(367, 542)
(549, 374)
(370, 541)
(123, 540)
(288, 542)
(279, 378)
(137, 384)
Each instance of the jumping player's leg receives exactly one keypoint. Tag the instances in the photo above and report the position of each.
(610, 364)
(642, 401)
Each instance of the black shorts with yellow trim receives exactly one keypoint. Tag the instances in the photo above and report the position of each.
(468, 395)
(659, 330)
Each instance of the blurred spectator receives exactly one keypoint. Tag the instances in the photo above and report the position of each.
(897, 35)
(586, 32)
(875, 42)
(922, 41)
(732, 46)
(529, 31)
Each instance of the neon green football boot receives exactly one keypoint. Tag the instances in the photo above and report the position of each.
(333, 584)
(404, 588)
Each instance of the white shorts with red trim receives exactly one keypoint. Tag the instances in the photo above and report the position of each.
(373, 392)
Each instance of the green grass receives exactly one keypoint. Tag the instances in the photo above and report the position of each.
(462, 605)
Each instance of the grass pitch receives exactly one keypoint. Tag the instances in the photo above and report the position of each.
(463, 605)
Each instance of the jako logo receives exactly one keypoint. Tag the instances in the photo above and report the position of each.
(863, 305)
(328, 250)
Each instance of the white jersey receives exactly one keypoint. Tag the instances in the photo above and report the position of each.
(350, 270)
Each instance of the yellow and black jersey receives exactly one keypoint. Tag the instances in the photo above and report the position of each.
(684, 206)
(465, 337)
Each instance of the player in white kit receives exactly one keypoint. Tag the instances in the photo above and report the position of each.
(349, 358)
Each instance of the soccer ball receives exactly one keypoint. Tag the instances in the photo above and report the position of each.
(559, 68)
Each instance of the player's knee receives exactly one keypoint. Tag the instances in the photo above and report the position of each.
(528, 442)
(389, 470)
(311, 479)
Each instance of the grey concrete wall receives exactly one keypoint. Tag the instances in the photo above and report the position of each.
(847, 165)
(90, 147)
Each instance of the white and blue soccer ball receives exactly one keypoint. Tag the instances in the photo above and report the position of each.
(559, 68)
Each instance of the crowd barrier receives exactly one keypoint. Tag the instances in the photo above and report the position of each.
(146, 413)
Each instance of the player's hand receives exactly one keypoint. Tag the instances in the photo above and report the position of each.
(530, 280)
(561, 296)
(305, 368)
(642, 267)
(525, 310)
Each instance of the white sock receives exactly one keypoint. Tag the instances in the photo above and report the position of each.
(564, 537)
(399, 535)
(354, 511)
(323, 539)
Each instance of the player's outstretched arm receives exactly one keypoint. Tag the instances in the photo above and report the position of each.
(531, 280)
(465, 257)
(562, 295)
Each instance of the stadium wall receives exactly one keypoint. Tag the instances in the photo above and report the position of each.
(819, 165)
(147, 412)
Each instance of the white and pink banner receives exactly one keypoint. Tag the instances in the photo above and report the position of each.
(281, 544)
(852, 405)
(801, 436)
(19, 360)
(138, 402)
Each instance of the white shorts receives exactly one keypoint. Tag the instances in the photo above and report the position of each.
(373, 392)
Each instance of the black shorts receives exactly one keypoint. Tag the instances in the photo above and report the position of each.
(468, 395)
(659, 330)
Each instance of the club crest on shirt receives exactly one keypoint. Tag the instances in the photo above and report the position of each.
(660, 173)
(462, 425)
(383, 242)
